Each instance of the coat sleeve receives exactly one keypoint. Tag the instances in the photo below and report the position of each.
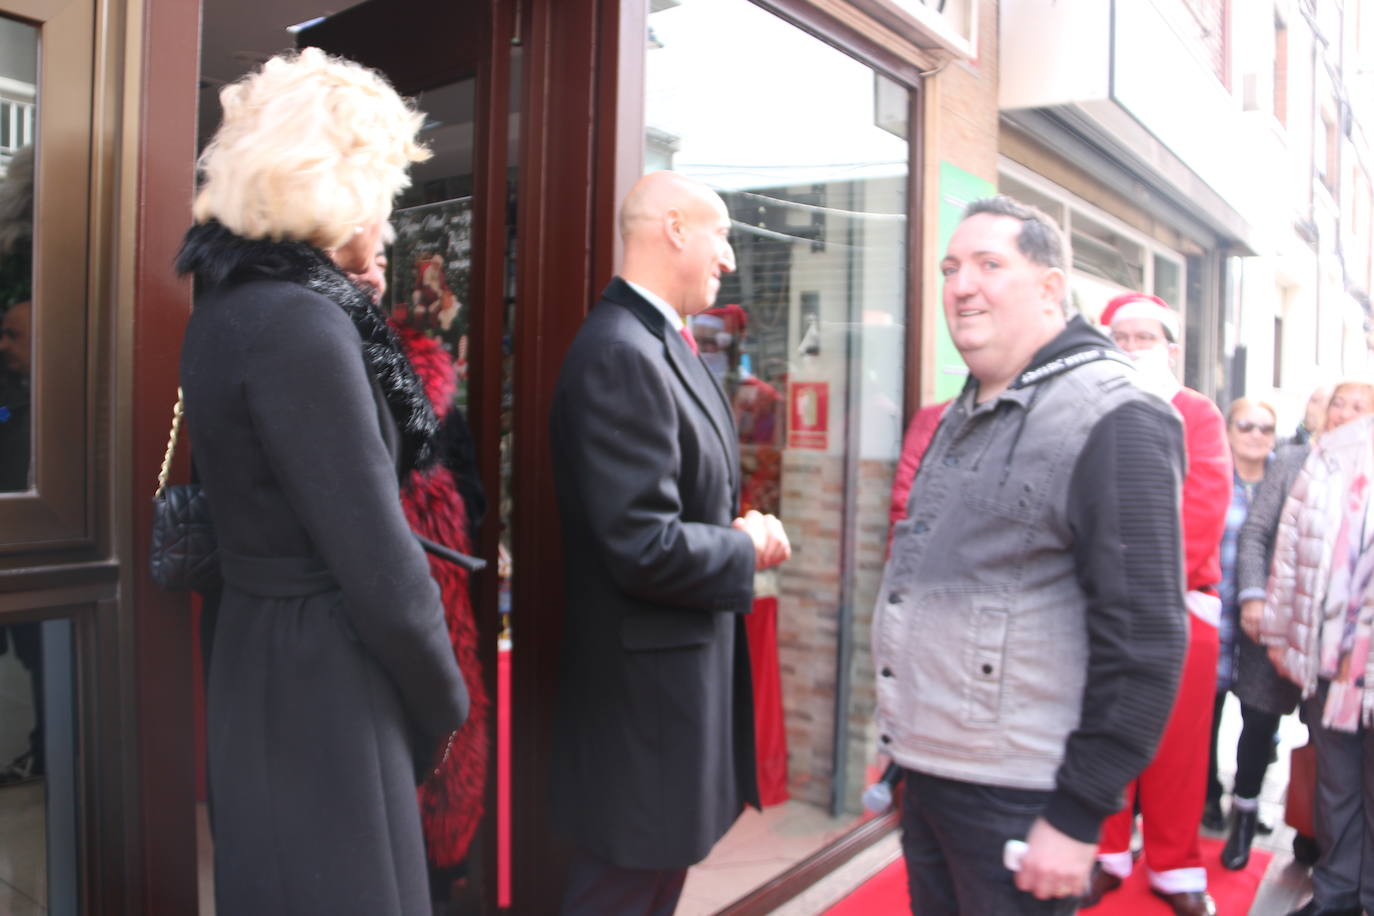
(312, 405)
(914, 444)
(1206, 492)
(1124, 514)
(1255, 544)
(618, 420)
(1276, 626)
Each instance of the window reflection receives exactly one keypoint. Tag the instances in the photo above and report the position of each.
(809, 150)
(38, 801)
(18, 101)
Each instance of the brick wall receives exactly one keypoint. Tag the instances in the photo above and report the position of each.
(1202, 27)
(809, 597)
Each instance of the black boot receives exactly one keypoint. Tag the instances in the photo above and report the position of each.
(1237, 851)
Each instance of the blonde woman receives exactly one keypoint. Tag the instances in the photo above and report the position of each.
(332, 680)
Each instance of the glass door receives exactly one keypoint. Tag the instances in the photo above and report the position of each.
(809, 148)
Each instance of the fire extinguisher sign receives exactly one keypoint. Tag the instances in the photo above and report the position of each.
(809, 414)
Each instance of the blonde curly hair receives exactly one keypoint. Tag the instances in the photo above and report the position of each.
(311, 148)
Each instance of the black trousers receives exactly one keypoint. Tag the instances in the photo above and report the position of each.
(952, 837)
(1253, 750)
(597, 888)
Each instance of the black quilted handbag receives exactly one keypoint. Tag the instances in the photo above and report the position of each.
(184, 553)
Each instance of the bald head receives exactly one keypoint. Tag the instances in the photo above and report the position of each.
(676, 233)
(656, 194)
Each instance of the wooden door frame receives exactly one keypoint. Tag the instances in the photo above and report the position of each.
(573, 169)
(156, 632)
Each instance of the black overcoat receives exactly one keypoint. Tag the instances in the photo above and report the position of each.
(654, 735)
(332, 677)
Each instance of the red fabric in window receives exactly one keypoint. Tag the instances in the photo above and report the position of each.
(770, 733)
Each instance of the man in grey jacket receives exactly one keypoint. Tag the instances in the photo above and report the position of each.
(1031, 626)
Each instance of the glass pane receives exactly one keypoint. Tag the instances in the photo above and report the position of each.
(18, 103)
(431, 258)
(1051, 207)
(808, 340)
(38, 844)
(1168, 274)
(1099, 251)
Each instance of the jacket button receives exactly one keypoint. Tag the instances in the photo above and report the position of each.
(887, 672)
(887, 739)
(987, 669)
(920, 527)
(895, 598)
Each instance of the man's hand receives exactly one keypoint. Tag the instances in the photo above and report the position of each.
(1055, 865)
(1251, 613)
(770, 540)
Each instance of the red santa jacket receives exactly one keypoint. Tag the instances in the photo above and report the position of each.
(1206, 488)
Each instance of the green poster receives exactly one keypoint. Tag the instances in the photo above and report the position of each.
(957, 189)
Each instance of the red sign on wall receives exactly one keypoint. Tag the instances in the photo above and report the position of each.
(808, 414)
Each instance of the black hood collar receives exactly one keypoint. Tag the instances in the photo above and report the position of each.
(1077, 344)
(218, 257)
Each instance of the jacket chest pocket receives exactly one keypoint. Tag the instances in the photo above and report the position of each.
(984, 657)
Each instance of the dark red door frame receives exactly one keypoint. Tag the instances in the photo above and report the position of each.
(159, 624)
(572, 172)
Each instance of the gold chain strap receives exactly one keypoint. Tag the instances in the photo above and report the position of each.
(171, 447)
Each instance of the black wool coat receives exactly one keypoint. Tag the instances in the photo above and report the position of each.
(332, 678)
(654, 731)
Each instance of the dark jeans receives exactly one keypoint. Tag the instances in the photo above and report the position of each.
(952, 838)
(1253, 750)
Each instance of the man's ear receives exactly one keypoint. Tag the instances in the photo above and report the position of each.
(1053, 285)
(1174, 349)
(675, 227)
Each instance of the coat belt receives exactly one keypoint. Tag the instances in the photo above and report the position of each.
(276, 577)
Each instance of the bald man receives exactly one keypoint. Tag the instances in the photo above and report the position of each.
(654, 733)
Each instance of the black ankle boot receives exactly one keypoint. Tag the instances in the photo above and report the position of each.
(1237, 852)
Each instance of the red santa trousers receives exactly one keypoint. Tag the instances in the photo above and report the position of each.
(1173, 787)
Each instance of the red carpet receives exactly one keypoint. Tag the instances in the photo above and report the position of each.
(1233, 891)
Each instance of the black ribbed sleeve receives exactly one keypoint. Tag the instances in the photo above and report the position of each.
(1123, 508)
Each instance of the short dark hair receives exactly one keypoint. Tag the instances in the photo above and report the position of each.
(1039, 240)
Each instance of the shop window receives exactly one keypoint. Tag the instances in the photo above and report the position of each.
(18, 99)
(1100, 251)
(1050, 206)
(808, 340)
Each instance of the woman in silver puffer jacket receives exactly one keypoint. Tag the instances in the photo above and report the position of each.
(1317, 624)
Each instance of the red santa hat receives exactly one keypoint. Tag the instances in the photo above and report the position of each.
(734, 319)
(1142, 305)
(727, 321)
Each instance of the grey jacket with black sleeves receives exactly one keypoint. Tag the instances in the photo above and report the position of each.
(1031, 627)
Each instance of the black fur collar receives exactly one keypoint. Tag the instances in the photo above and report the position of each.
(218, 257)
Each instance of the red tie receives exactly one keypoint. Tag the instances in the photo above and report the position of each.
(691, 341)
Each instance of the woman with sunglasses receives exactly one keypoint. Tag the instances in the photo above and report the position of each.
(1250, 433)
(1262, 690)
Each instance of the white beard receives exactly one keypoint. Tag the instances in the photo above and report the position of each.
(1154, 373)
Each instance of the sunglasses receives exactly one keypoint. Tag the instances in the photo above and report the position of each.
(1245, 426)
